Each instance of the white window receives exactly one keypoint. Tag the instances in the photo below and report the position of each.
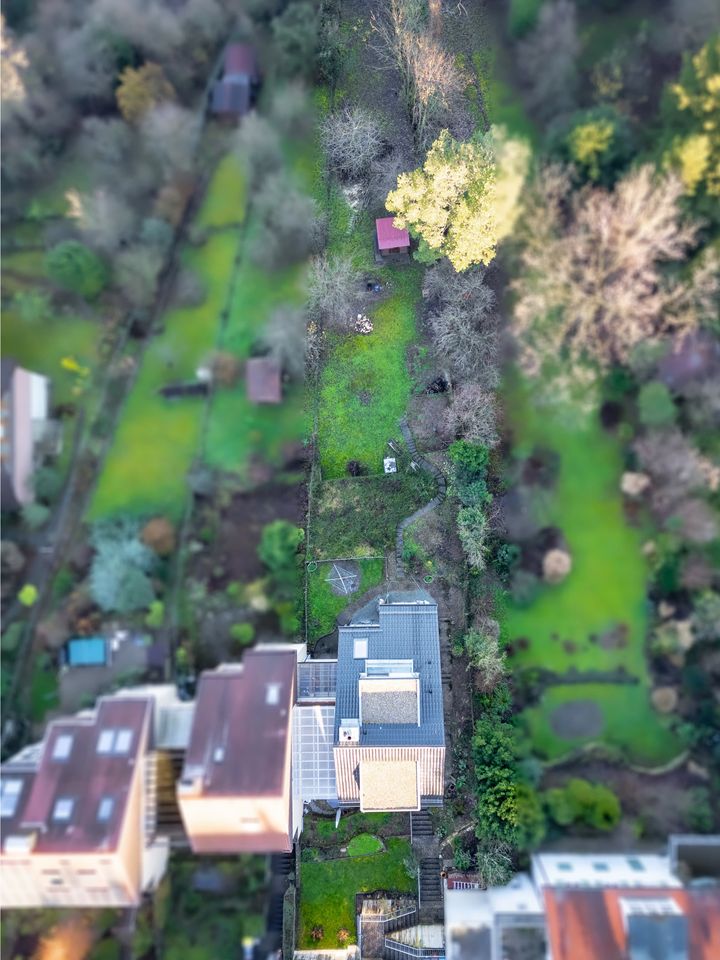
(10, 795)
(123, 739)
(62, 746)
(272, 694)
(360, 648)
(63, 808)
(105, 809)
(114, 740)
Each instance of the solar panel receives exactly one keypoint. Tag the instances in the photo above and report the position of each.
(316, 680)
(313, 763)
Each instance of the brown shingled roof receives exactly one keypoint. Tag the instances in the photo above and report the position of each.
(263, 380)
(242, 725)
(71, 768)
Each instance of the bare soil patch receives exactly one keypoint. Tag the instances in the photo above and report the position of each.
(231, 552)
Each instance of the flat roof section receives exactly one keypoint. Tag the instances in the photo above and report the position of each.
(389, 700)
(389, 785)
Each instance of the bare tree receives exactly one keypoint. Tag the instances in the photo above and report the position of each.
(170, 135)
(472, 415)
(290, 110)
(285, 339)
(431, 81)
(86, 63)
(353, 138)
(105, 221)
(592, 282)
(673, 463)
(258, 146)
(290, 224)
(547, 60)
(333, 291)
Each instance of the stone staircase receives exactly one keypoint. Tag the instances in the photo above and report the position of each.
(427, 852)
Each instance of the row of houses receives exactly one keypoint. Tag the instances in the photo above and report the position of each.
(90, 814)
(599, 906)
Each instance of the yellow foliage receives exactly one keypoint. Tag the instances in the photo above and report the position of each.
(464, 199)
(698, 93)
(692, 157)
(142, 89)
(588, 142)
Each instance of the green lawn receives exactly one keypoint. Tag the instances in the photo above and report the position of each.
(606, 588)
(324, 606)
(365, 385)
(364, 845)
(157, 439)
(41, 346)
(358, 517)
(607, 584)
(631, 725)
(328, 888)
(226, 199)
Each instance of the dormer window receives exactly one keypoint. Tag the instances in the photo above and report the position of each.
(105, 809)
(62, 746)
(113, 740)
(62, 811)
(11, 790)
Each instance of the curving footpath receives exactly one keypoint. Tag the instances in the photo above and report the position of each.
(435, 502)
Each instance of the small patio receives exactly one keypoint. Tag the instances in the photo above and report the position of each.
(81, 684)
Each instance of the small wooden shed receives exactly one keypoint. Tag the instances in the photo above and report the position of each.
(391, 243)
(235, 91)
(263, 380)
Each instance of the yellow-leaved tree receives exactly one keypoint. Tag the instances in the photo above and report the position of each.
(696, 152)
(464, 199)
(142, 89)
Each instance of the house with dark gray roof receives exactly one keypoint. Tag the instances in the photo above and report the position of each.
(389, 735)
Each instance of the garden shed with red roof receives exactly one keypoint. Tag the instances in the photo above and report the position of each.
(391, 243)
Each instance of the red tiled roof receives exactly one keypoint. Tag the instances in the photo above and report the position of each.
(588, 924)
(240, 59)
(262, 375)
(389, 236)
(242, 717)
(83, 776)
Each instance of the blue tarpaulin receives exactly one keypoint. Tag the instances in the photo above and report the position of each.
(87, 652)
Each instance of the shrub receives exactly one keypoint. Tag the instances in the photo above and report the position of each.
(462, 858)
(11, 638)
(522, 16)
(484, 654)
(119, 577)
(580, 801)
(317, 933)
(155, 615)
(598, 143)
(655, 405)
(472, 531)
(700, 811)
(34, 515)
(28, 595)
(159, 535)
(242, 633)
(47, 483)
(75, 267)
(343, 935)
